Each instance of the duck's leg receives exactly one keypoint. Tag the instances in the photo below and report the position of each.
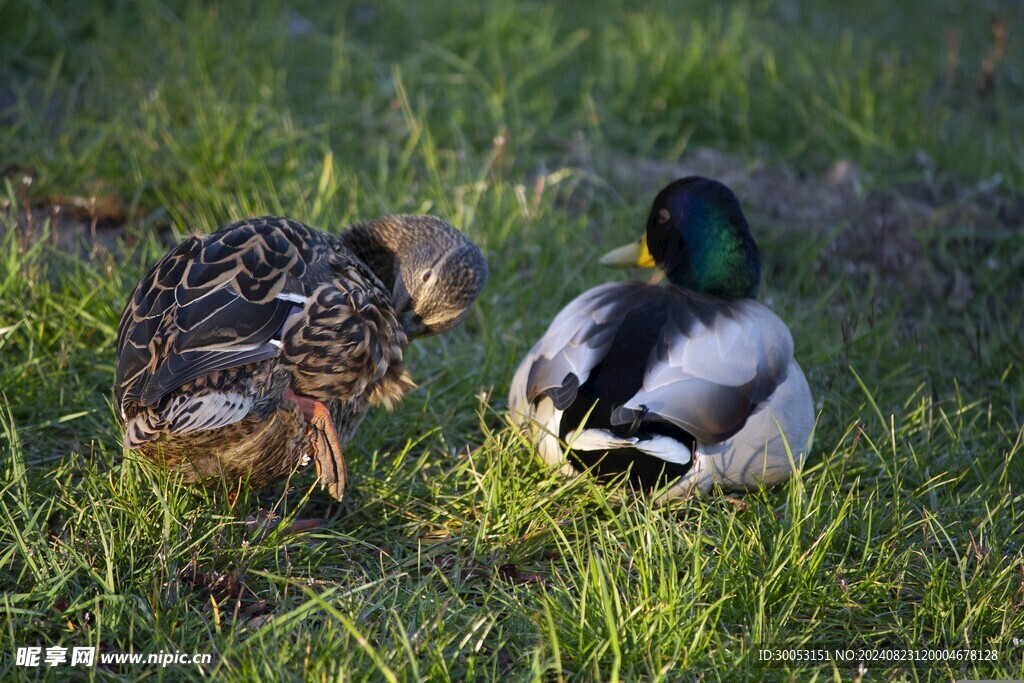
(330, 465)
(327, 455)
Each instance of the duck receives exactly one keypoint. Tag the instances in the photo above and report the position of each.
(246, 353)
(676, 386)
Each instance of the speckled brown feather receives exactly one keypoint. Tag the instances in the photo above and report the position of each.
(348, 344)
(223, 329)
(214, 302)
(250, 448)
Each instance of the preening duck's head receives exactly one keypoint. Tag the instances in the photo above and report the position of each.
(697, 234)
(434, 272)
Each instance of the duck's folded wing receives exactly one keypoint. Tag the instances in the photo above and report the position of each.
(714, 363)
(576, 341)
(213, 302)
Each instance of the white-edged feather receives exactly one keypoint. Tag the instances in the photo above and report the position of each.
(662, 447)
(188, 413)
(293, 297)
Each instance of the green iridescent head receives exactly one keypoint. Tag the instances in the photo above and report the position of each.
(697, 234)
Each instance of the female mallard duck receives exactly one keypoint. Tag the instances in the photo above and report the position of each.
(693, 382)
(244, 353)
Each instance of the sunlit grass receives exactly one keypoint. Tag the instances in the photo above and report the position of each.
(457, 554)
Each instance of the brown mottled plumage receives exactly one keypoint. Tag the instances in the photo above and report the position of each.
(245, 353)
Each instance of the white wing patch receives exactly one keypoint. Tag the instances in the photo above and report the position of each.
(662, 447)
(293, 297)
(666, 448)
(206, 411)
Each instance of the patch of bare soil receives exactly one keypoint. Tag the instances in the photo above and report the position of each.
(92, 225)
(889, 232)
(84, 224)
(927, 239)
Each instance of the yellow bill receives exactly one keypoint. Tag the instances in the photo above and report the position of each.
(634, 254)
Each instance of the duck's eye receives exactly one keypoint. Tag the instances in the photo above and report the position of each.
(663, 216)
(427, 275)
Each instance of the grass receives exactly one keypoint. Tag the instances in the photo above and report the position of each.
(457, 554)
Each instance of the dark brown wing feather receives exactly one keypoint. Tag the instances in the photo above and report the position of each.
(214, 302)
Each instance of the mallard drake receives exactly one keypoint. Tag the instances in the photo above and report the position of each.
(684, 385)
(245, 353)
